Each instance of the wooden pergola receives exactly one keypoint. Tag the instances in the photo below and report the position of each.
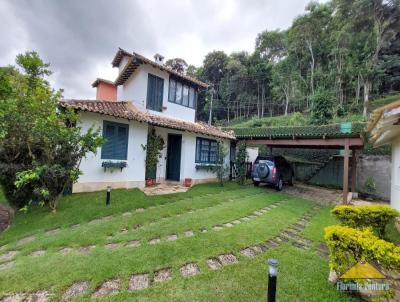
(346, 136)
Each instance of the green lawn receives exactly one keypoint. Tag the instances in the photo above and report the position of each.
(302, 277)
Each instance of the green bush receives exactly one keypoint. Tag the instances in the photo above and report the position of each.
(375, 216)
(347, 246)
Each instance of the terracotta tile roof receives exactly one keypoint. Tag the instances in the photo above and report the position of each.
(126, 110)
(377, 114)
(99, 80)
(135, 60)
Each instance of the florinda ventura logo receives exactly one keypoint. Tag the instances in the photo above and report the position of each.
(362, 277)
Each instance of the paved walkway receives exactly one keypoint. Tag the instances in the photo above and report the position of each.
(319, 194)
(165, 188)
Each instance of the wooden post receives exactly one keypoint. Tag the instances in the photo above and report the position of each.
(353, 171)
(346, 171)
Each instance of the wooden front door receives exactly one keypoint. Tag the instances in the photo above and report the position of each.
(174, 157)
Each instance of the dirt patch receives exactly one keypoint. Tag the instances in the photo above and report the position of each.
(6, 217)
(162, 275)
(26, 240)
(213, 264)
(172, 237)
(319, 194)
(138, 282)
(226, 259)
(76, 289)
(189, 270)
(110, 287)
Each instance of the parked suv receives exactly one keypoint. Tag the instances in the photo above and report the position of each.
(273, 170)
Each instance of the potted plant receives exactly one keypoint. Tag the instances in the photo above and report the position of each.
(188, 182)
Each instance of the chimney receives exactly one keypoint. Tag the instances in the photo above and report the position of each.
(159, 59)
(105, 90)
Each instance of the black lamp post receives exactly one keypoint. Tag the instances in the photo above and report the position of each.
(108, 198)
(272, 273)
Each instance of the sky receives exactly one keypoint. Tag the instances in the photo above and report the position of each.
(79, 38)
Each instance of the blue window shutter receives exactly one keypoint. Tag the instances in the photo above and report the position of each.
(116, 145)
(155, 91)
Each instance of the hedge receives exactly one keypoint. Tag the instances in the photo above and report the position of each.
(375, 216)
(347, 246)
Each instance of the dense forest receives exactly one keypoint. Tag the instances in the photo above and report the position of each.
(334, 60)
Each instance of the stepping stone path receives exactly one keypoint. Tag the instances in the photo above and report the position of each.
(245, 218)
(189, 233)
(228, 225)
(189, 270)
(76, 289)
(126, 214)
(8, 256)
(124, 231)
(108, 288)
(302, 243)
(86, 249)
(155, 241)
(6, 265)
(138, 282)
(133, 243)
(75, 226)
(26, 240)
(107, 218)
(172, 237)
(162, 275)
(226, 259)
(139, 210)
(112, 246)
(213, 264)
(217, 227)
(203, 230)
(65, 250)
(37, 253)
(40, 296)
(236, 222)
(52, 231)
(248, 252)
(137, 226)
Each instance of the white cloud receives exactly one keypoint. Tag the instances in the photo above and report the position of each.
(80, 38)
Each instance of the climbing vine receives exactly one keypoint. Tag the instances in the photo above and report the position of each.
(154, 147)
(241, 163)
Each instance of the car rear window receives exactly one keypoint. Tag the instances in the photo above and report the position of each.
(269, 158)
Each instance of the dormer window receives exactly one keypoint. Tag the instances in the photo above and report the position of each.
(182, 94)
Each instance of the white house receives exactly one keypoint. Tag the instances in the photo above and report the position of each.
(384, 127)
(149, 95)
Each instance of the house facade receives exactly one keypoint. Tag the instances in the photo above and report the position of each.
(149, 97)
(384, 127)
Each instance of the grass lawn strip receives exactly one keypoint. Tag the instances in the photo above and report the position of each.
(142, 281)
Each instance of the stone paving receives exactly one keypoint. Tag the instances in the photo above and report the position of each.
(143, 280)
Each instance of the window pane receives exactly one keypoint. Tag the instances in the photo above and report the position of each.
(172, 90)
(185, 101)
(178, 98)
(116, 146)
(198, 141)
(213, 152)
(205, 149)
(191, 98)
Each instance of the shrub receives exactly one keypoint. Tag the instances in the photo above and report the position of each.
(376, 216)
(241, 163)
(347, 246)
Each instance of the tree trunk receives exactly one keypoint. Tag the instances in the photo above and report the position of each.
(262, 100)
(358, 89)
(367, 89)
(258, 99)
(312, 65)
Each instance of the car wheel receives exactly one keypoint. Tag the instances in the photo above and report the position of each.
(291, 180)
(256, 183)
(279, 185)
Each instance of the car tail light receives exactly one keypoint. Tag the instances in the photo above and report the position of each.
(274, 170)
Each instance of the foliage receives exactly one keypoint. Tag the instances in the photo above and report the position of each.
(221, 168)
(241, 158)
(41, 146)
(369, 185)
(177, 64)
(322, 108)
(347, 49)
(113, 165)
(347, 246)
(375, 216)
(153, 148)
